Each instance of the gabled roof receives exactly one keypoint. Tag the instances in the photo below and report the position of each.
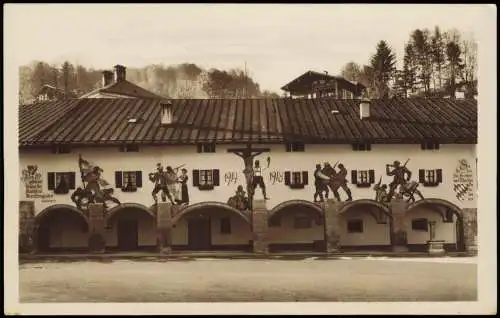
(310, 76)
(105, 121)
(122, 88)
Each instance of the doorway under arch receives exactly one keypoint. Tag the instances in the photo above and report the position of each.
(296, 225)
(365, 225)
(61, 228)
(437, 217)
(130, 227)
(211, 226)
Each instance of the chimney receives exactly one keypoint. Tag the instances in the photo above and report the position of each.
(107, 78)
(120, 73)
(364, 108)
(166, 112)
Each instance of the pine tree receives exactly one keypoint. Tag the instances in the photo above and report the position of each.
(438, 53)
(383, 64)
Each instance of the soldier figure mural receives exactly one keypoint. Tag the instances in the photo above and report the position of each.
(95, 189)
(334, 180)
(402, 177)
(239, 200)
(159, 179)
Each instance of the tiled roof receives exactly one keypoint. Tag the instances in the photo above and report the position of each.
(125, 88)
(105, 121)
(310, 76)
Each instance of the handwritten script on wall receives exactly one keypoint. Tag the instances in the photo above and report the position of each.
(33, 182)
(463, 181)
(276, 177)
(231, 177)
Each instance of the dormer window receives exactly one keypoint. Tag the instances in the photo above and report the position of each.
(166, 112)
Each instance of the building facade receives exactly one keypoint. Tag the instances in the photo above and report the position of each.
(249, 175)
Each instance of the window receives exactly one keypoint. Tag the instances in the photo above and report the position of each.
(429, 145)
(302, 222)
(430, 178)
(206, 179)
(355, 226)
(61, 149)
(208, 147)
(420, 225)
(295, 147)
(363, 146)
(128, 181)
(61, 182)
(296, 179)
(363, 178)
(129, 148)
(225, 226)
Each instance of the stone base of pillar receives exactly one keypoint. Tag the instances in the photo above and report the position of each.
(332, 225)
(435, 247)
(259, 227)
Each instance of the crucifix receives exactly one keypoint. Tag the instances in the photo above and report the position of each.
(248, 153)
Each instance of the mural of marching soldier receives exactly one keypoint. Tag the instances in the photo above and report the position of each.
(320, 183)
(95, 189)
(258, 179)
(407, 188)
(380, 191)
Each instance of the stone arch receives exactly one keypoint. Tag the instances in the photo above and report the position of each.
(209, 204)
(40, 216)
(112, 212)
(286, 204)
(382, 207)
(434, 201)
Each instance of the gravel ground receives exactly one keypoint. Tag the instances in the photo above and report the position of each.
(213, 280)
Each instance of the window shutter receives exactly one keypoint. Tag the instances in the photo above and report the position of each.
(72, 178)
(287, 177)
(354, 176)
(196, 178)
(372, 176)
(51, 180)
(138, 179)
(215, 175)
(118, 179)
(439, 175)
(304, 177)
(421, 175)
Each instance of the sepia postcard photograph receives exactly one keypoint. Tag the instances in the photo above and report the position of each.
(250, 159)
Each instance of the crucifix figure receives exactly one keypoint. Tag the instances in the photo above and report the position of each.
(248, 154)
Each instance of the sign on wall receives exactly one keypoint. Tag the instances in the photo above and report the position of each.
(33, 182)
(463, 181)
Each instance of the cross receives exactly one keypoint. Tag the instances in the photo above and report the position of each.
(248, 154)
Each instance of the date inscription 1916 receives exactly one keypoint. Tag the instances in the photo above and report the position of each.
(276, 177)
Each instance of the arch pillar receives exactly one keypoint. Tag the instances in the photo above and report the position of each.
(26, 227)
(469, 219)
(332, 225)
(97, 225)
(399, 231)
(164, 226)
(259, 227)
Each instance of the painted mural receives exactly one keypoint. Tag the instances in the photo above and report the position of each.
(33, 182)
(328, 179)
(171, 185)
(402, 179)
(253, 171)
(463, 181)
(95, 188)
(239, 200)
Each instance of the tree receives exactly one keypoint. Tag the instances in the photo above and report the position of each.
(269, 94)
(383, 65)
(454, 65)
(351, 72)
(469, 49)
(438, 53)
(422, 50)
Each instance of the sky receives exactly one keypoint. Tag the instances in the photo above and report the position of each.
(277, 42)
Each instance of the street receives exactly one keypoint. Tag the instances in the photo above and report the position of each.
(225, 280)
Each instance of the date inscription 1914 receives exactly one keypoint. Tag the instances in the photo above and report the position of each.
(231, 177)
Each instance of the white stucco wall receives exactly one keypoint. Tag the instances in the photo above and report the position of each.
(443, 230)
(286, 233)
(111, 160)
(373, 233)
(146, 229)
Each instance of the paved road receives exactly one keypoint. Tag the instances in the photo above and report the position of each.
(212, 280)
